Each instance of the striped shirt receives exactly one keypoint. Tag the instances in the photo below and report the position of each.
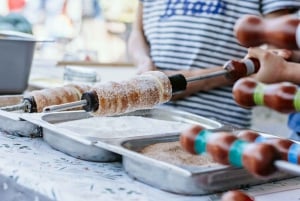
(187, 34)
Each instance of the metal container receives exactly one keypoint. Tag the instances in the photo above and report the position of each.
(74, 144)
(181, 179)
(11, 123)
(16, 54)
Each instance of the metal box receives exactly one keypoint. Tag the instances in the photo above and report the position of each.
(16, 54)
(81, 146)
(181, 179)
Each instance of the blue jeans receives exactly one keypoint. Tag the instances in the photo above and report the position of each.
(294, 125)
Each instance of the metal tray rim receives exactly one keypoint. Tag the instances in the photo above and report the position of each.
(48, 121)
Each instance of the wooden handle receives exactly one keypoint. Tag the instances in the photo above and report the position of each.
(251, 31)
(238, 69)
(288, 149)
(227, 149)
(236, 195)
(283, 97)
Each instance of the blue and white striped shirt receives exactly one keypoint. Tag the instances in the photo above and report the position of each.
(186, 34)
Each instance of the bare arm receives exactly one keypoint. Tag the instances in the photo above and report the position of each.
(138, 47)
(274, 68)
(292, 73)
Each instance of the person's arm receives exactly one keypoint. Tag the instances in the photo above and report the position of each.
(292, 73)
(138, 47)
(274, 68)
(139, 50)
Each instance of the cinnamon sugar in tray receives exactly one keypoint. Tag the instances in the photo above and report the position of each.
(171, 152)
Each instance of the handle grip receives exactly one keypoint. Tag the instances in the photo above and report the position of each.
(239, 69)
(283, 97)
(227, 149)
(288, 149)
(283, 32)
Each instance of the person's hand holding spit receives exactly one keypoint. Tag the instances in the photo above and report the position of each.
(274, 67)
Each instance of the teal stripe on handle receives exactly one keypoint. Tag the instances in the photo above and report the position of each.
(200, 141)
(236, 153)
(297, 101)
(258, 96)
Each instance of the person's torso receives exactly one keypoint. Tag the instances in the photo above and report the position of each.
(187, 34)
(194, 33)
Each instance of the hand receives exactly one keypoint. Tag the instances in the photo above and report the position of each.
(272, 64)
(145, 65)
(284, 53)
(288, 55)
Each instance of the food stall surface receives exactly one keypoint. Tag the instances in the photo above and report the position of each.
(31, 170)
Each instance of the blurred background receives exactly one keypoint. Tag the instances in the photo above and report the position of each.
(83, 30)
(89, 31)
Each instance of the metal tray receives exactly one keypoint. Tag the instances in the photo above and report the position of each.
(12, 123)
(188, 180)
(74, 144)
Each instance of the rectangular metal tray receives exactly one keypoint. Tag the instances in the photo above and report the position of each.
(74, 144)
(12, 123)
(188, 180)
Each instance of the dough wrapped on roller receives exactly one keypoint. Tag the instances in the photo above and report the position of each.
(141, 92)
(42, 98)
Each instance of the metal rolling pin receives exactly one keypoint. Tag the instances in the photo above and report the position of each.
(232, 70)
(24, 106)
(35, 101)
(66, 106)
(260, 159)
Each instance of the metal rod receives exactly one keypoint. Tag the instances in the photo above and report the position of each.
(287, 167)
(81, 103)
(65, 106)
(209, 75)
(17, 107)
